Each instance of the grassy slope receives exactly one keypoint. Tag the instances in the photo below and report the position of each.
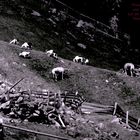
(102, 50)
(89, 81)
(12, 68)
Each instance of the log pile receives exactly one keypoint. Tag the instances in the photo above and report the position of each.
(39, 106)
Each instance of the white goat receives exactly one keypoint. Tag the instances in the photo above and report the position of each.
(129, 69)
(49, 53)
(26, 45)
(14, 41)
(86, 61)
(24, 54)
(80, 59)
(77, 59)
(54, 55)
(57, 71)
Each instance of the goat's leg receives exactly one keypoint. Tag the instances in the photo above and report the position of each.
(55, 77)
(131, 72)
(62, 75)
(125, 71)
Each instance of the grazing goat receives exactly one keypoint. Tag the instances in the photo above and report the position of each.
(54, 55)
(86, 61)
(14, 41)
(24, 54)
(26, 45)
(58, 71)
(49, 53)
(129, 69)
(81, 60)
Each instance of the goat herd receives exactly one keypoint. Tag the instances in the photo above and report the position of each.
(56, 72)
(128, 69)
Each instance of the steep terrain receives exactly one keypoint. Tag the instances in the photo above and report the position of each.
(91, 82)
(56, 26)
(53, 26)
(96, 85)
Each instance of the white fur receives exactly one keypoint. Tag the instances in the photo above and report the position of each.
(86, 61)
(57, 70)
(80, 59)
(129, 66)
(54, 55)
(14, 41)
(24, 54)
(49, 53)
(25, 46)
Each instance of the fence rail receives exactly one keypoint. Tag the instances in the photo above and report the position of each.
(126, 118)
(96, 108)
(35, 132)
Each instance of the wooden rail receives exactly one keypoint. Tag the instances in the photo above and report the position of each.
(126, 118)
(35, 132)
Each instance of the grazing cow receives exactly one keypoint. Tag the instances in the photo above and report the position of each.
(27, 45)
(14, 41)
(81, 60)
(58, 71)
(24, 54)
(129, 69)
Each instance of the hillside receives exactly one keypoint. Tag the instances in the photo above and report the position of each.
(91, 82)
(55, 26)
(68, 33)
(95, 84)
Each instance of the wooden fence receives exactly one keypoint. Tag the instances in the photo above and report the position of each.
(126, 118)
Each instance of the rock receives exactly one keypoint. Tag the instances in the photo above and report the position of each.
(81, 45)
(72, 131)
(114, 134)
(4, 105)
(35, 13)
(101, 125)
(19, 100)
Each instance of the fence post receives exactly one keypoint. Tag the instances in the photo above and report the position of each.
(127, 117)
(35, 136)
(1, 129)
(115, 108)
(138, 123)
